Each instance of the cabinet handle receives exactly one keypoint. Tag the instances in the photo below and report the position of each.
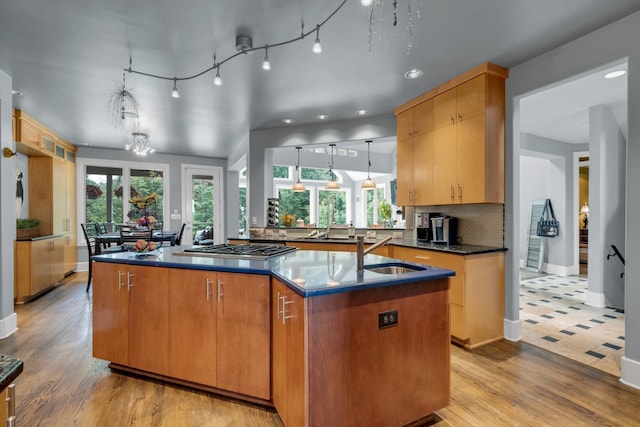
(451, 191)
(453, 120)
(278, 303)
(220, 290)
(459, 193)
(129, 284)
(410, 191)
(415, 195)
(284, 310)
(11, 404)
(208, 289)
(120, 273)
(459, 117)
(426, 258)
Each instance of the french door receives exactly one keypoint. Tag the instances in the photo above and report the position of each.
(202, 202)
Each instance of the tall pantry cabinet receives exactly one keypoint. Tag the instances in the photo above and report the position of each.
(51, 193)
(454, 151)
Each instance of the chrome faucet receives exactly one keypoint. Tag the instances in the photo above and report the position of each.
(361, 251)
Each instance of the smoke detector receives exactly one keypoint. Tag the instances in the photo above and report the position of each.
(243, 43)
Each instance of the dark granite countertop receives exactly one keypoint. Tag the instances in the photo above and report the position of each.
(309, 273)
(410, 243)
(10, 368)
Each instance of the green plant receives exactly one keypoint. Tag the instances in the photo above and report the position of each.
(22, 223)
(384, 210)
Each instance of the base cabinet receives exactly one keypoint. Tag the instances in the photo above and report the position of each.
(477, 292)
(131, 316)
(208, 328)
(39, 265)
(331, 358)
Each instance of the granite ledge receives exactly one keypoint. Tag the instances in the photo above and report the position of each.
(10, 368)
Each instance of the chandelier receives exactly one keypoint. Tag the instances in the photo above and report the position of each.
(332, 184)
(298, 187)
(377, 18)
(140, 144)
(123, 104)
(368, 183)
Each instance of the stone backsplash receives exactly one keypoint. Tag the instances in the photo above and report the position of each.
(477, 224)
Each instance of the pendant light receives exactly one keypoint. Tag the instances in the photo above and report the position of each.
(332, 184)
(368, 183)
(298, 187)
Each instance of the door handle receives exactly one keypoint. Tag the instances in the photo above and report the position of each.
(129, 284)
(459, 193)
(220, 290)
(208, 289)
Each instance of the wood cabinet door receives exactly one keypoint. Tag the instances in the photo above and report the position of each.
(404, 173)
(423, 117)
(70, 196)
(40, 269)
(192, 337)
(56, 260)
(297, 396)
(59, 189)
(29, 133)
(148, 289)
(471, 160)
(243, 328)
(444, 109)
(444, 165)
(279, 351)
(110, 313)
(70, 252)
(404, 124)
(471, 97)
(423, 168)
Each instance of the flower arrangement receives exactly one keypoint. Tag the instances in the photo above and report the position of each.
(132, 191)
(93, 191)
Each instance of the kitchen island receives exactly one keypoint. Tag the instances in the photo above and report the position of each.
(303, 332)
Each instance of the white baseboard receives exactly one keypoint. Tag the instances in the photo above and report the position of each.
(512, 330)
(630, 372)
(558, 270)
(82, 266)
(8, 325)
(594, 299)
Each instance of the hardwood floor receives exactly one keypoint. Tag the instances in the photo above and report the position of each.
(501, 384)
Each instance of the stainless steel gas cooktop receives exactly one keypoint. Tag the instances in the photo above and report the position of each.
(239, 251)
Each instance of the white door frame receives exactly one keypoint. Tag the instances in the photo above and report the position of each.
(187, 171)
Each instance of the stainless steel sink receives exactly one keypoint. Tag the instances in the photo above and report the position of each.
(393, 269)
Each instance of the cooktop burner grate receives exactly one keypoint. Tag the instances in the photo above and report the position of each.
(240, 251)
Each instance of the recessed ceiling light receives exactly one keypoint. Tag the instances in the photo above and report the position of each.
(362, 112)
(322, 117)
(614, 74)
(413, 74)
(16, 93)
(287, 121)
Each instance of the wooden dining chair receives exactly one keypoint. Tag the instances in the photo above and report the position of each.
(90, 231)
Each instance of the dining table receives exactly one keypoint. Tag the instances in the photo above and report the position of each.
(108, 239)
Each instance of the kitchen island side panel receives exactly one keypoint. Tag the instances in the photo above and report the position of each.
(361, 374)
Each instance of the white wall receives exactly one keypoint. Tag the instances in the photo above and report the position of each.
(607, 172)
(8, 319)
(534, 178)
(609, 44)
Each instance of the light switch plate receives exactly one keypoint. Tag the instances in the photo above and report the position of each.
(176, 216)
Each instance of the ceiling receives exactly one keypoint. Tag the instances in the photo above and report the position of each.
(68, 56)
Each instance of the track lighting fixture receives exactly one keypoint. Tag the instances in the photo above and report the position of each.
(266, 65)
(174, 92)
(298, 187)
(332, 184)
(317, 47)
(368, 183)
(244, 45)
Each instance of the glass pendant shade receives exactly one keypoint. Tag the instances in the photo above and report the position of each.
(298, 187)
(332, 184)
(368, 183)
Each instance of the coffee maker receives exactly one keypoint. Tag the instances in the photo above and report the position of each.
(444, 230)
(423, 225)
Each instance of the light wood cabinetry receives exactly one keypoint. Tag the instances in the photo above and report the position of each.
(131, 316)
(461, 158)
(52, 182)
(208, 328)
(476, 292)
(289, 355)
(39, 265)
(414, 152)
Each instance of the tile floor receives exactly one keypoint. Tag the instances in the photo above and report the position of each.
(555, 318)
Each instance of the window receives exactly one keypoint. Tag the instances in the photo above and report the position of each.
(373, 196)
(281, 172)
(332, 207)
(297, 204)
(110, 186)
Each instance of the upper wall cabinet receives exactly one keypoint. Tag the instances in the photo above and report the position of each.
(451, 141)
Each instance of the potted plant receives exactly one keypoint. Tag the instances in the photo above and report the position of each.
(27, 228)
(384, 211)
(93, 191)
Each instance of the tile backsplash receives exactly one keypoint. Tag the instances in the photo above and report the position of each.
(477, 224)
